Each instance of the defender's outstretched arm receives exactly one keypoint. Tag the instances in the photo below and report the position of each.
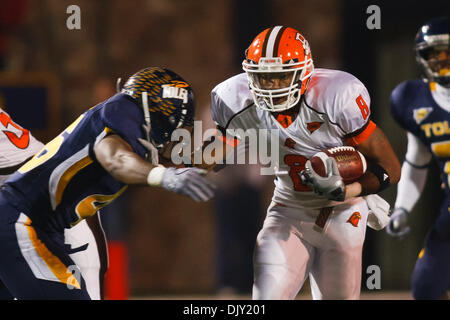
(117, 157)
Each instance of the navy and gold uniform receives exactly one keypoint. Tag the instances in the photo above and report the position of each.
(62, 184)
(416, 110)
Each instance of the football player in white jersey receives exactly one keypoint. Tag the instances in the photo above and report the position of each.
(86, 241)
(314, 226)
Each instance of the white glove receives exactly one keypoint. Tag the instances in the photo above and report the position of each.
(330, 186)
(398, 225)
(186, 181)
(378, 216)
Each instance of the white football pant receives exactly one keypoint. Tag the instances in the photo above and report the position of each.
(87, 260)
(290, 247)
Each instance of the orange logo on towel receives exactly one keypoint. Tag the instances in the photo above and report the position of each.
(354, 219)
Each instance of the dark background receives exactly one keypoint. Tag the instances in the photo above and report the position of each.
(173, 243)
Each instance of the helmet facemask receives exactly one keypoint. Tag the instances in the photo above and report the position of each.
(433, 54)
(278, 64)
(161, 138)
(167, 102)
(435, 63)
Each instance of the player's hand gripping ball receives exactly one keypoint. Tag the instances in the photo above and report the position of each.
(350, 162)
(328, 171)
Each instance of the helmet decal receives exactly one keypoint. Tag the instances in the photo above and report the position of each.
(168, 98)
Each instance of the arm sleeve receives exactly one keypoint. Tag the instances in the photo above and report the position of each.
(417, 154)
(354, 116)
(218, 108)
(125, 119)
(356, 108)
(221, 115)
(413, 175)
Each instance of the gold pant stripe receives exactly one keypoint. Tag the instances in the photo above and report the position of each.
(58, 268)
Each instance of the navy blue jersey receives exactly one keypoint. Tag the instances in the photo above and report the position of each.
(64, 183)
(414, 108)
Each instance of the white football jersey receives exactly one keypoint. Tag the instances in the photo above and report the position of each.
(16, 143)
(334, 112)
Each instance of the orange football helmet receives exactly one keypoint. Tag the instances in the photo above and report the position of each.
(278, 64)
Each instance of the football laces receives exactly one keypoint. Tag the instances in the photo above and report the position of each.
(340, 149)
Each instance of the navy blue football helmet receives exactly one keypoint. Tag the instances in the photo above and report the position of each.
(432, 45)
(166, 99)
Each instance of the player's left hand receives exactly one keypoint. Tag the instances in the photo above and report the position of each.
(190, 182)
(398, 226)
(330, 186)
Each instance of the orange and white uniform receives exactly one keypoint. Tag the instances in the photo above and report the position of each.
(305, 234)
(16, 144)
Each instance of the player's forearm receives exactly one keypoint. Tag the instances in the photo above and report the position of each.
(414, 173)
(370, 183)
(367, 184)
(129, 168)
(382, 162)
(117, 157)
(353, 190)
(410, 186)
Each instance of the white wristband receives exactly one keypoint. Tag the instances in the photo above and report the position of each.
(155, 176)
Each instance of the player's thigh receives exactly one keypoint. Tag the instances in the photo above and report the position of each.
(336, 273)
(431, 275)
(281, 259)
(35, 265)
(442, 223)
(346, 227)
(85, 253)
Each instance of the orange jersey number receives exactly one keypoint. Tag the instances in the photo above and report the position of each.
(21, 142)
(363, 107)
(296, 164)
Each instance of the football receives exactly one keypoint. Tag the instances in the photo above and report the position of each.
(351, 163)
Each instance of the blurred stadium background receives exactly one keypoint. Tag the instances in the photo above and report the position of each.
(163, 245)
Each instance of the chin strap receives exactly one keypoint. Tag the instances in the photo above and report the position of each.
(152, 155)
(118, 89)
